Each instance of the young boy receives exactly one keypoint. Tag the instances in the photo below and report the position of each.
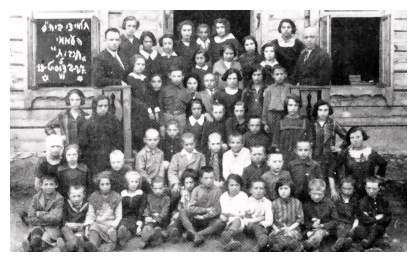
(74, 213)
(156, 214)
(303, 169)
(237, 123)
(218, 125)
(203, 41)
(214, 157)
(255, 135)
(151, 159)
(259, 216)
(44, 216)
(171, 144)
(237, 158)
(207, 94)
(375, 214)
(320, 215)
(275, 163)
(202, 217)
(257, 167)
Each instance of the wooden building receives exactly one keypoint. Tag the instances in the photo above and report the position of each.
(375, 96)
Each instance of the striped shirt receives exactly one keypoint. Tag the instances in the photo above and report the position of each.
(287, 212)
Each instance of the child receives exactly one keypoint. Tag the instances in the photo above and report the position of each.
(255, 134)
(325, 129)
(347, 207)
(196, 121)
(203, 41)
(231, 93)
(171, 144)
(147, 42)
(237, 123)
(218, 125)
(207, 95)
(168, 57)
(73, 173)
(44, 215)
(375, 214)
(276, 173)
(274, 99)
(214, 156)
(202, 218)
(74, 213)
(233, 203)
(257, 167)
(186, 46)
(202, 64)
(320, 215)
(291, 129)
(156, 214)
(227, 61)
(150, 160)
(222, 37)
(258, 217)
(103, 216)
(253, 94)
(118, 170)
(133, 206)
(250, 56)
(303, 169)
(288, 218)
(237, 158)
(100, 135)
(70, 121)
(192, 84)
(268, 53)
(153, 94)
(129, 43)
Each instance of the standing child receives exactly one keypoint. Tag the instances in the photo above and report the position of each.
(237, 123)
(227, 61)
(171, 144)
(168, 57)
(255, 134)
(70, 121)
(196, 121)
(288, 218)
(129, 43)
(118, 170)
(218, 125)
(186, 46)
(233, 203)
(237, 158)
(153, 94)
(103, 216)
(203, 41)
(250, 56)
(222, 37)
(275, 174)
(231, 93)
(214, 156)
(44, 215)
(257, 167)
(253, 94)
(192, 84)
(202, 64)
(270, 60)
(147, 42)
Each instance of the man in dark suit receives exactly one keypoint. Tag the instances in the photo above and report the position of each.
(313, 65)
(207, 94)
(108, 68)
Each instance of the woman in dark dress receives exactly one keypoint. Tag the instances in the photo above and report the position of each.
(231, 93)
(147, 42)
(129, 43)
(221, 28)
(186, 46)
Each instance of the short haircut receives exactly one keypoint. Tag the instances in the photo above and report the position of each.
(203, 26)
(257, 180)
(130, 18)
(149, 130)
(223, 21)
(287, 182)
(133, 174)
(175, 68)
(170, 36)
(250, 117)
(187, 135)
(196, 77)
(275, 153)
(294, 97)
(348, 180)
(95, 101)
(319, 104)
(279, 67)
(156, 180)
(107, 174)
(48, 177)
(189, 172)
(72, 146)
(117, 153)
(216, 104)
(204, 53)
(257, 146)
(135, 58)
(147, 34)
(205, 169)
(317, 184)
(206, 74)
(111, 29)
(355, 129)
(304, 141)
(252, 38)
(171, 122)
(156, 75)
(214, 134)
(234, 177)
(75, 91)
(232, 71)
(289, 21)
(183, 23)
(239, 103)
(372, 179)
(54, 139)
(235, 135)
(227, 46)
(76, 187)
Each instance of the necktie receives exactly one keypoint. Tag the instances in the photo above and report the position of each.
(119, 60)
(307, 55)
(214, 162)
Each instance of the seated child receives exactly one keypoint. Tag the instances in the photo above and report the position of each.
(133, 206)
(288, 217)
(255, 135)
(74, 213)
(375, 214)
(214, 156)
(103, 216)
(118, 171)
(258, 217)
(153, 93)
(275, 163)
(218, 125)
(237, 158)
(320, 215)
(237, 123)
(150, 159)
(171, 144)
(253, 93)
(156, 214)
(196, 121)
(44, 216)
(233, 203)
(257, 167)
(303, 169)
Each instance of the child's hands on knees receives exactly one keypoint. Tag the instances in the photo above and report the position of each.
(149, 220)
(379, 216)
(139, 227)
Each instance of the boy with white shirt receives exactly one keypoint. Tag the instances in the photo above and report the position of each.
(237, 158)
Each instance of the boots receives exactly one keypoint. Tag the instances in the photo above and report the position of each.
(123, 235)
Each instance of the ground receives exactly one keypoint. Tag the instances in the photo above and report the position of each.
(21, 188)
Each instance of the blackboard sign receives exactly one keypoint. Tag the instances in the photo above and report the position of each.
(63, 52)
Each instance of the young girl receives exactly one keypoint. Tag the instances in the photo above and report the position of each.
(129, 43)
(196, 121)
(147, 42)
(103, 216)
(70, 121)
(250, 56)
(186, 46)
(153, 94)
(269, 61)
(133, 206)
(231, 93)
(253, 93)
(288, 217)
(324, 130)
(274, 97)
(233, 204)
(227, 61)
(222, 37)
(192, 84)
(290, 129)
(168, 57)
(73, 173)
(100, 135)
(238, 122)
(202, 64)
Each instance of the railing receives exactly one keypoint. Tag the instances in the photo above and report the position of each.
(310, 95)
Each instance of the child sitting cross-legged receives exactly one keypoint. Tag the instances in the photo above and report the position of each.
(257, 168)
(237, 158)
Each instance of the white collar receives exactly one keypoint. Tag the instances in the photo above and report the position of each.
(168, 55)
(205, 67)
(283, 43)
(203, 43)
(83, 206)
(230, 91)
(359, 153)
(219, 39)
(147, 55)
(265, 63)
(134, 75)
(125, 193)
(185, 153)
(200, 121)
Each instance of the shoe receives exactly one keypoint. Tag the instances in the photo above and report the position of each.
(157, 237)
(24, 217)
(188, 236)
(233, 245)
(226, 237)
(141, 244)
(26, 247)
(90, 247)
(122, 235)
(60, 243)
(365, 243)
(174, 235)
(198, 240)
(308, 246)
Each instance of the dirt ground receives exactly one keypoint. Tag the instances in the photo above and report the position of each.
(21, 188)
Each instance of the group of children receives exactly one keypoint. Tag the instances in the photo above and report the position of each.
(227, 156)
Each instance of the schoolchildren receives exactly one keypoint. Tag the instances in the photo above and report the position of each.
(171, 144)
(250, 56)
(74, 213)
(237, 158)
(214, 156)
(253, 94)
(147, 43)
(276, 173)
(129, 43)
(207, 95)
(231, 93)
(255, 134)
(70, 121)
(44, 216)
(227, 61)
(103, 216)
(186, 45)
(192, 84)
(237, 123)
(269, 61)
(202, 64)
(196, 121)
(118, 170)
(153, 94)
(222, 37)
(257, 167)
(168, 57)
(203, 41)
(218, 125)
(288, 219)
(258, 218)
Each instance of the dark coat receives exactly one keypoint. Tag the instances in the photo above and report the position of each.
(107, 70)
(315, 71)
